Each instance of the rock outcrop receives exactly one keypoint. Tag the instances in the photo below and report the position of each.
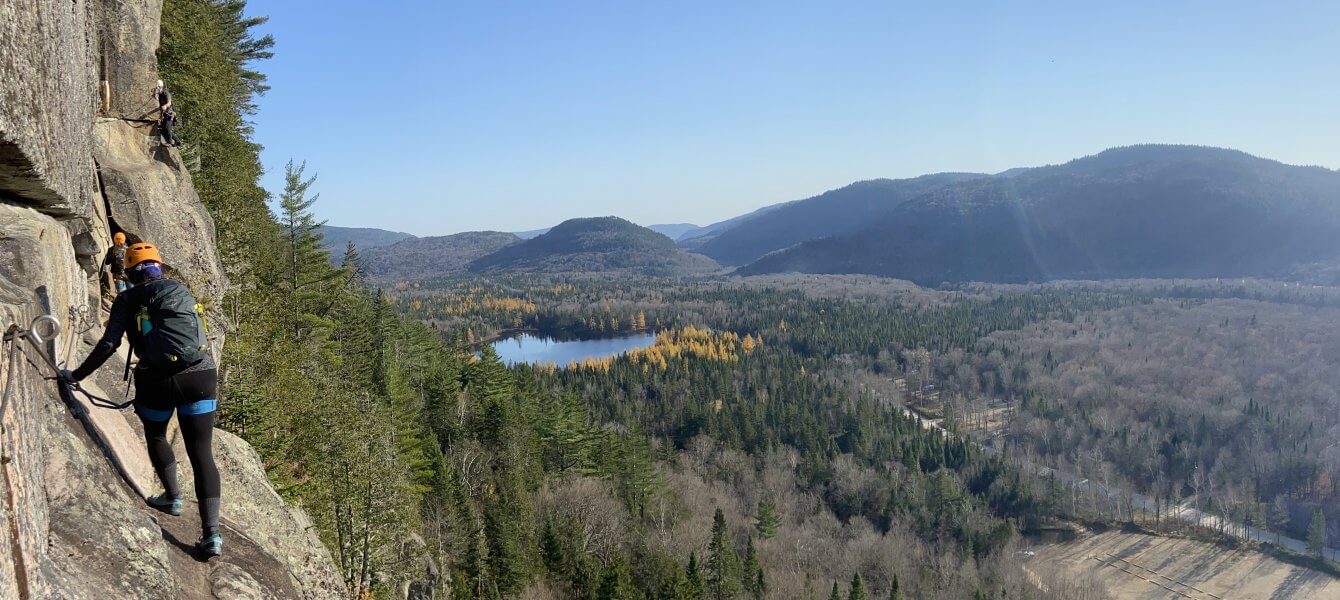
(73, 523)
(149, 196)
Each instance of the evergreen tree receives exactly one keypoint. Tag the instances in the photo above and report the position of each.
(857, 589)
(835, 594)
(551, 549)
(617, 583)
(697, 587)
(767, 520)
(752, 572)
(506, 548)
(723, 564)
(1317, 533)
(895, 589)
(567, 438)
(309, 279)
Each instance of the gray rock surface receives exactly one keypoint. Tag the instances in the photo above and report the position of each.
(128, 45)
(73, 523)
(150, 197)
(48, 94)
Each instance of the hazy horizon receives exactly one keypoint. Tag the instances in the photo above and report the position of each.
(440, 119)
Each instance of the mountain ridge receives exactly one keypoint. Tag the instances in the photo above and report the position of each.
(595, 245)
(834, 212)
(336, 237)
(426, 257)
(1133, 211)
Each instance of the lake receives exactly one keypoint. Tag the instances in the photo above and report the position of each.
(528, 348)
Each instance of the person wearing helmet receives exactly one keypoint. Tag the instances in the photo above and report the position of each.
(166, 115)
(175, 373)
(115, 262)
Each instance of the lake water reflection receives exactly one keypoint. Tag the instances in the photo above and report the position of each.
(527, 348)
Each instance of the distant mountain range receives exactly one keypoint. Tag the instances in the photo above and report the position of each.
(670, 230)
(428, 257)
(832, 213)
(337, 238)
(1138, 211)
(607, 245)
(693, 238)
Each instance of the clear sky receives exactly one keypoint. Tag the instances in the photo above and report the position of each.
(438, 117)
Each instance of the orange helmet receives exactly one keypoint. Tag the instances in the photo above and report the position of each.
(141, 252)
(119, 238)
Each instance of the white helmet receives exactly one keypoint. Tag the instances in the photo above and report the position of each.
(160, 83)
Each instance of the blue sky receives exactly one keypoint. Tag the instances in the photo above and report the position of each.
(438, 117)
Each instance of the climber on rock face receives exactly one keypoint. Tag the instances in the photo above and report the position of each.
(176, 372)
(166, 115)
(115, 262)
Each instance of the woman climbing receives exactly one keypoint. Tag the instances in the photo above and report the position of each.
(176, 372)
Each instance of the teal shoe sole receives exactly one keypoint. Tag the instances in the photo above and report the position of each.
(171, 507)
(210, 546)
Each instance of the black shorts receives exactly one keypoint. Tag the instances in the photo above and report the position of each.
(191, 393)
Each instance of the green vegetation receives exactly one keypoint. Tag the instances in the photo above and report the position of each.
(1316, 532)
(762, 447)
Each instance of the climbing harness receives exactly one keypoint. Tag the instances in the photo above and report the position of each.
(34, 335)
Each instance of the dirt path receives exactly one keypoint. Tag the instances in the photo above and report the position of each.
(1146, 567)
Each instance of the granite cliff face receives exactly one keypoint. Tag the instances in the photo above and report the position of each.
(76, 160)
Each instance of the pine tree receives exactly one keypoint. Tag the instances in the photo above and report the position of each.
(752, 571)
(895, 589)
(551, 549)
(506, 549)
(567, 439)
(835, 594)
(617, 583)
(1317, 533)
(308, 277)
(723, 564)
(767, 520)
(697, 587)
(857, 589)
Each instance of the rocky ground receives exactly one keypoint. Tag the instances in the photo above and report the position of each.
(76, 161)
(1145, 567)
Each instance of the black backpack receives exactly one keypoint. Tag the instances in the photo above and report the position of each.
(169, 327)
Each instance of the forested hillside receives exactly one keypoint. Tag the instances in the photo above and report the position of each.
(761, 448)
(1140, 211)
(1224, 403)
(336, 238)
(832, 213)
(329, 386)
(607, 245)
(408, 453)
(436, 256)
(571, 483)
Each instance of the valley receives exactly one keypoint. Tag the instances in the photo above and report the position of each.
(669, 301)
(1113, 344)
(875, 360)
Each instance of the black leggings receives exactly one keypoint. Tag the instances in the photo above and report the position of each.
(189, 395)
(165, 131)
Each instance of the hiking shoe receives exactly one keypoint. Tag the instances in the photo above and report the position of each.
(210, 546)
(161, 502)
